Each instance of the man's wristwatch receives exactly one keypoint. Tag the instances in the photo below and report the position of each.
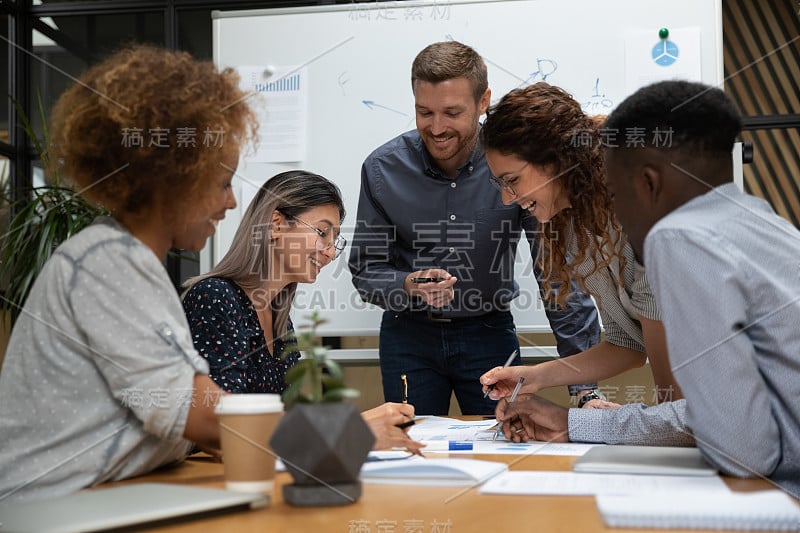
(593, 394)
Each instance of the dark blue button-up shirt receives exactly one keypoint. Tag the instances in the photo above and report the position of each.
(411, 217)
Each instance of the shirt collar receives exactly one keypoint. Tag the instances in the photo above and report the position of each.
(728, 190)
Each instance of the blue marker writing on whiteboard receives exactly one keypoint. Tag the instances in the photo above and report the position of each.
(446, 445)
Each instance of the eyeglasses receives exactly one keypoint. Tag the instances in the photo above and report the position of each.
(323, 243)
(502, 185)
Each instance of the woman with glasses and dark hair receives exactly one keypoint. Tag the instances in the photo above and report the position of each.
(239, 311)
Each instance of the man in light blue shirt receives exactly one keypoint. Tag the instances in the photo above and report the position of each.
(725, 270)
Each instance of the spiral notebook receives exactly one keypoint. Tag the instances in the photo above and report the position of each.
(770, 510)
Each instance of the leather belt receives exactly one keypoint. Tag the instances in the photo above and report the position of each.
(435, 317)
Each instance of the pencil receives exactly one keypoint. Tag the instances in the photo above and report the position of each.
(510, 359)
(510, 401)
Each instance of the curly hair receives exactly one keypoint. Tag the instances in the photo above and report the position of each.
(544, 126)
(135, 129)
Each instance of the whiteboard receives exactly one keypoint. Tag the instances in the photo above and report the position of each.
(357, 60)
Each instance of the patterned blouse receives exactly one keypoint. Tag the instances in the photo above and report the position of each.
(226, 331)
(622, 296)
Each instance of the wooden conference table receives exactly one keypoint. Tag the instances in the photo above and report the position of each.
(406, 509)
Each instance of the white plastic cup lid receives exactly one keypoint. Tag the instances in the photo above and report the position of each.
(246, 404)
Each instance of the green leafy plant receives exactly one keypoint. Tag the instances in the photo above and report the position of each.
(45, 216)
(315, 378)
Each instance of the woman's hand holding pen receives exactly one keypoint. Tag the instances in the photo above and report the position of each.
(383, 421)
(433, 286)
(505, 378)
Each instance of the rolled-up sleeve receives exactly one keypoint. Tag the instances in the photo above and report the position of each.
(634, 424)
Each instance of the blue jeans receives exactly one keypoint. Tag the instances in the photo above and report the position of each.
(439, 358)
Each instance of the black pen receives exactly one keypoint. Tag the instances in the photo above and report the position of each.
(405, 425)
(427, 280)
(410, 423)
(511, 357)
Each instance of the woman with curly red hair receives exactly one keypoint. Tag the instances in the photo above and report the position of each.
(545, 155)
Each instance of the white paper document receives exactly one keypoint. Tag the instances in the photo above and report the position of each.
(279, 97)
(481, 432)
(443, 428)
(503, 447)
(649, 58)
(576, 484)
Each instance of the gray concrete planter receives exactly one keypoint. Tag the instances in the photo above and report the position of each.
(323, 446)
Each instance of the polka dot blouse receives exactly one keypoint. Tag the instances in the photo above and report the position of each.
(226, 331)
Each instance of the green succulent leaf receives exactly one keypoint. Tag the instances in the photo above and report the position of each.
(297, 372)
(337, 395)
(331, 383)
(334, 369)
(292, 394)
(315, 378)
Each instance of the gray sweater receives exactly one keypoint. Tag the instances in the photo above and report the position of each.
(98, 375)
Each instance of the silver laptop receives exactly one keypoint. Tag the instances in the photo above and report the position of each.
(654, 460)
(125, 506)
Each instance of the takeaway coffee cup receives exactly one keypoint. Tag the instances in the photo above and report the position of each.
(246, 425)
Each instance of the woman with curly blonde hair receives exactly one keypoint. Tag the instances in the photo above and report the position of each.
(545, 155)
(101, 381)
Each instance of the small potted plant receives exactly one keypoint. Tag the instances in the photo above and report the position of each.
(322, 439)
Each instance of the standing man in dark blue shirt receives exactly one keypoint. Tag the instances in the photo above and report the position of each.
(434, 246)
